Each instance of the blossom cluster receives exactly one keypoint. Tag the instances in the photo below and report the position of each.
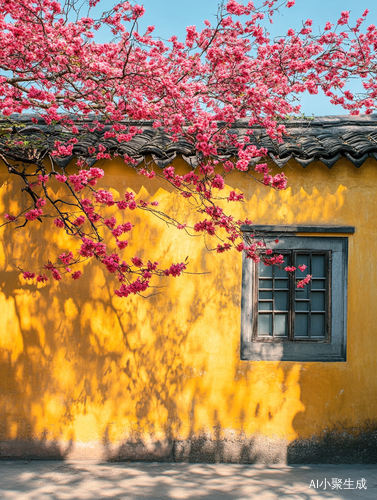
(196, 90)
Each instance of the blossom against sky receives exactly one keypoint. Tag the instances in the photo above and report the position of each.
(171, 18)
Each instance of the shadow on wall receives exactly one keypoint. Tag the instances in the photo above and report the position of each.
(84, 374)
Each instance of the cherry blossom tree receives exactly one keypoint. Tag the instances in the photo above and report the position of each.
(196, 89)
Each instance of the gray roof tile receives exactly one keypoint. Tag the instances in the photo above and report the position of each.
(323, 138)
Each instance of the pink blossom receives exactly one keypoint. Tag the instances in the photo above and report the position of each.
(66, 258)
(228, 166)
(150, 174)
(56, 275)
(42, 278)
(59, 223)
(262, 168)
(33, 214)
(196, 97)
(233, 196)
(235, 8)
(344, 18)
(122, 244)
(87, 248)
(137, 262)
(79, 221)
(276, 260)
(28, 275)
(304, 282)
(60, 178)
(175, 270)
(112, 263)
(135, 287)
(122, 205)
(129, 196)
(40, 203)
(279, 181)
(152, 266)
(218, 182)
(110, 222)
(96, 173)
(242, 165)
(223, 248)
(169, 173)
(206, 226)
(290, 268)
(126, 227)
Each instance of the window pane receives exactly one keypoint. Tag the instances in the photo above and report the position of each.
(279, 272)
(302, 293)
(265, 306)
(281, 301)
(265, 271)
(318, 301)
(317, 284)
(281, 283)
(302, 306)
(264, 324)
(309, 305)
(300, 260)
(301, 325)
(281, 325)
(318, 265)
(318, 325)
(265, 283)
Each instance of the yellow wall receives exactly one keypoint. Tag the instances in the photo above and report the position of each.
(82, 369)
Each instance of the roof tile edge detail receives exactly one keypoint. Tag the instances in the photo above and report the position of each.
(357, 147)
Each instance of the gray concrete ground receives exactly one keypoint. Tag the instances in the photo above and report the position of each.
(42, 480)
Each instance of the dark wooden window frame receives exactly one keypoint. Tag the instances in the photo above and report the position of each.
(333, 348)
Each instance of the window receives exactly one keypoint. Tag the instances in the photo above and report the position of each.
(282, 322)
(285, 312)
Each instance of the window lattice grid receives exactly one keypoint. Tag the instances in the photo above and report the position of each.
(286, 312)
(311, 304)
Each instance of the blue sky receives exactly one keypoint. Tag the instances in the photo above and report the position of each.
(172, 16)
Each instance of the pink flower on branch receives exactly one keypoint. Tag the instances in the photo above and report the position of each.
(28, 275)
(196, 90)
(79, 221)
(33, 214)
(59, 223)
(305, 281)
(175, 270)
(42, 278)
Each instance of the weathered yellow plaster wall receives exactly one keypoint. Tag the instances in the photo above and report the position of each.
(84, 373)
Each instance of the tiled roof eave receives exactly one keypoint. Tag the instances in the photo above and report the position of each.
(324, 139)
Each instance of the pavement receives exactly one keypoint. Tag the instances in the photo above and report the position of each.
(58, 480)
